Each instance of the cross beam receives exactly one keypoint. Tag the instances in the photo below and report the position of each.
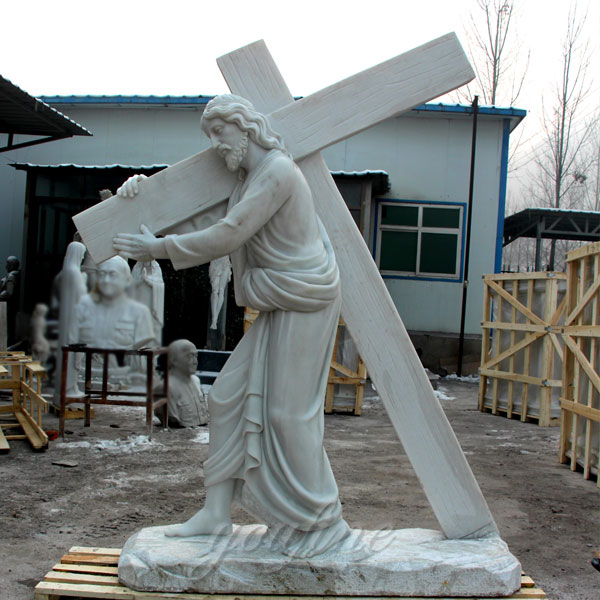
(199, 183)
(307, 126)
(375, 326)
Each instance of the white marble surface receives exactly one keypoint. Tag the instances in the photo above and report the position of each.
(408, 562)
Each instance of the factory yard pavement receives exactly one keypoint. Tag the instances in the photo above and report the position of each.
(103, 483)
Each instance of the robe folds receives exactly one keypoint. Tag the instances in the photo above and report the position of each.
(266, 406)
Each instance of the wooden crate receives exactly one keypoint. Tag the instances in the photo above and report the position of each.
(521, 353)
(92, 573)
(349, 377)
(23, 377)
(580, 399)
(339, 374)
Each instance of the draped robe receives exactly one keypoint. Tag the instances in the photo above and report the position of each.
(266, 406)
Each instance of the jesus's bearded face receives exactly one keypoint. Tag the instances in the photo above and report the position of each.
(229, 141)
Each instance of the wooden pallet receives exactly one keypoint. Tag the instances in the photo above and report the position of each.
(521, 345)
(22, 378)
(92, 573)
(71, 413)
(580, 398)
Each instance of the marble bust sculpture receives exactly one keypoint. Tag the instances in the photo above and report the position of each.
(266, 417)
(187, 405)
(108, 318)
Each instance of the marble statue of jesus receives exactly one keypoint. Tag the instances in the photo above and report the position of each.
(266, 428)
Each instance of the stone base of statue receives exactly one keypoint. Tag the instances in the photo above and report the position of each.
(408, 562)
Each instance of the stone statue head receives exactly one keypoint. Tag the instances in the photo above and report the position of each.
(40, 310)
(12, 264)
(183, 357)
(228, 109)
(74, 255)
(113, 277)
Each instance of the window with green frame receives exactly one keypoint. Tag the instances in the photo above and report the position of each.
(422, 240)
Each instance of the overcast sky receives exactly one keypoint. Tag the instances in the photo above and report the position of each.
(168, 47)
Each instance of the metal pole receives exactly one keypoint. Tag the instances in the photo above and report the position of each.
(461, 339)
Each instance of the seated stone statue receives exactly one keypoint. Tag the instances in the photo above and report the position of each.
(187, 404)
(108, 318)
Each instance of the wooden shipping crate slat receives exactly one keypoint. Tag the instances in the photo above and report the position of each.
(95, 550)
(91, 569)
(81, 578)
(4, 445)
(36, 435)
(92, 559)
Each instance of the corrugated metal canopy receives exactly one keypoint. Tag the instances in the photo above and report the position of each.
(22, 114)
(553, 223)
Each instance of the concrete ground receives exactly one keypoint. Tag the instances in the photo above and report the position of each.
(548, 515)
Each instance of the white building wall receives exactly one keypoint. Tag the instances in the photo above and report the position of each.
(426, 157)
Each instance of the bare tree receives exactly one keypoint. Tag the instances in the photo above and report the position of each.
(559, 162)
(494, 50)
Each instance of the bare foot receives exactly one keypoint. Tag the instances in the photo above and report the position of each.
(313, 543)
(202, 523)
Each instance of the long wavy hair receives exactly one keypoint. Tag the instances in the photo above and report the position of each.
(235, 109)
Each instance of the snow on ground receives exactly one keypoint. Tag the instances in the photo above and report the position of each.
(464, 378)
(131, 444)
(442, 395)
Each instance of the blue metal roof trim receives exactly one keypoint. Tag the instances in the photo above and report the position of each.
(127, 99)
(468, 109)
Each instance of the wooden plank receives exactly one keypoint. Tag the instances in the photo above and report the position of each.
(35, 434)
(91, 559)
(518, 305)
(381, 340)
(307, 126)
(511, 366)
(95, 550)
(583, 302)
(91, 569)
(517, 327)
(528, 379)
(583, 362)
(524, 276)
(4, 445)
(580, 409)
(582, 252)
(81, 578)
(485, 343)
(526, 341)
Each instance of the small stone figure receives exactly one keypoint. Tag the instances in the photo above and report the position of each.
(187, 404)
(109, 318)
(10, 290)
(40, 347)
(149, 289)
(71, 288)
(219, 272)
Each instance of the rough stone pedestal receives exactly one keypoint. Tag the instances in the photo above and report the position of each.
(408, 562)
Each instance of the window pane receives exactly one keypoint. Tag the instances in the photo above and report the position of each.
(399, 215)
(441, 217)
(438, 253)
(398, 251)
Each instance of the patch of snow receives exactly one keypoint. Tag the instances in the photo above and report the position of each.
(441, 394)
(70, 445)
(202, 437)
(464, 378)
(131, 444)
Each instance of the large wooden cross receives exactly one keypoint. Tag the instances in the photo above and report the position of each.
(184, 195)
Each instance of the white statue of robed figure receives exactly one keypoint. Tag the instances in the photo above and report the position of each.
(266, 406)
